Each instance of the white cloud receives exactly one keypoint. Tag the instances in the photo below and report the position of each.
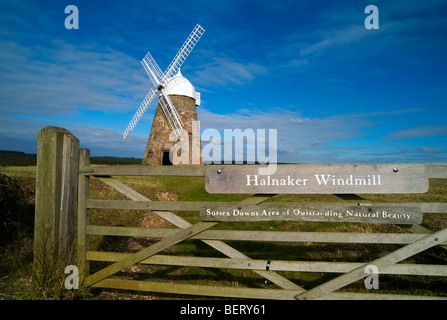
(417, 132)
(295, 142)
(311, 141)
(300, 120)
(298, 62)
(21, 135)
(108, 142)
(338, 32)
(59, 80)
(430, 150)
(336, 38)
(224, 71)
(328, 139)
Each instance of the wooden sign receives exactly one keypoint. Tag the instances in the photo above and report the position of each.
(318, 179)
(314, 212)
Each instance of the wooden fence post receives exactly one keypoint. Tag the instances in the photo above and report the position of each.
(56, 194)
(83, 195)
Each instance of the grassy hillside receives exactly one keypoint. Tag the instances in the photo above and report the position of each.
(17, 196)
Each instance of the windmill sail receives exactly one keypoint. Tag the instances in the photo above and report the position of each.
(184, 51)
(141, 109)
(171, 113)
(159, 80)
(153, 70)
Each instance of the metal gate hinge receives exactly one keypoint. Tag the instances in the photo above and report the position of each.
(86, 170)
(267, 268)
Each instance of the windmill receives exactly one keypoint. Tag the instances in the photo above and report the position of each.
(167, 118)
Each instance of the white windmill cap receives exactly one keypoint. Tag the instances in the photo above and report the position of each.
(179, 85)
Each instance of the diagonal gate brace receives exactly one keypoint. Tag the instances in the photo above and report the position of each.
(179, 236)
(381, 263)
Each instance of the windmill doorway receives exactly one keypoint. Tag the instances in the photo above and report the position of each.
(165, 161)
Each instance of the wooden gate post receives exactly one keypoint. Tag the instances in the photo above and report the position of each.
(83, 195)
(56, 195)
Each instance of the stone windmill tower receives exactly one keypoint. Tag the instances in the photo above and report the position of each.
(175, 118)
(185, 99)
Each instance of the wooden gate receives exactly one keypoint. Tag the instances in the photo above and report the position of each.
(412, 244)
(333, 276)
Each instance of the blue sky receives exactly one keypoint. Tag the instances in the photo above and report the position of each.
(335, 91)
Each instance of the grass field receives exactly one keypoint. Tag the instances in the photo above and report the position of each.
(16, 254)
